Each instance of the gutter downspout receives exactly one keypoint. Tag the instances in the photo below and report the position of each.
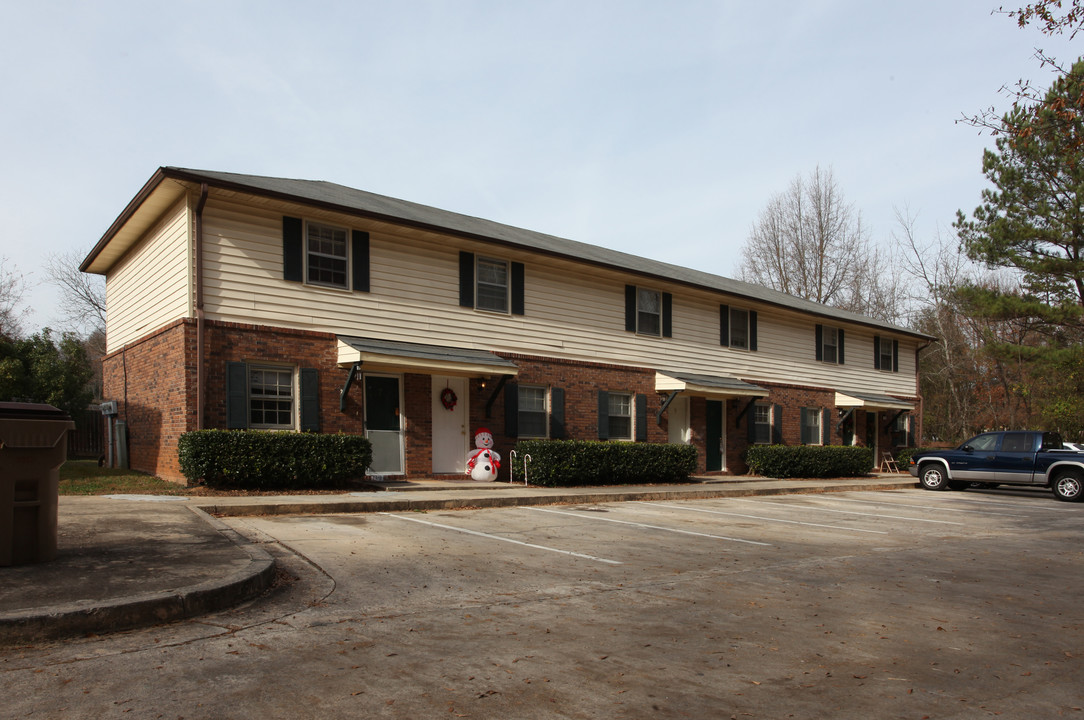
(201, 384)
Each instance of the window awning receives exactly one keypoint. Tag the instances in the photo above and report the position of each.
(416, 357)
(710, 386)
(869, 401)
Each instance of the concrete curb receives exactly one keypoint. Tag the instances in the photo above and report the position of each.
(88, 617)
(553, 498)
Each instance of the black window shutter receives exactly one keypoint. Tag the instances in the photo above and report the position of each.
(293, 259)
(895, 356)
(820, 342)
(667, 315)
(517, 288)
(641, 418)
(724, 325)
(511, 410)
(236, 396)
(839, 346)
(910, 430)
(466, 279)
(359, 251)
(630, 308)
(310, 400)
(826, 427)
(603, 415)
(557, 413)
(777, 424)
(876, 352)
(753, 330)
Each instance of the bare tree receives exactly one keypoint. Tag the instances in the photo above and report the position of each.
(82, 295)
(811, 243)
(12, 290)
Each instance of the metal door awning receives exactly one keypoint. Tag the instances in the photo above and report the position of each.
(710, 386)
(394, 356)
(870, 401)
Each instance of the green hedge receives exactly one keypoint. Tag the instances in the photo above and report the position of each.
(809, 461)
(257, 460)
(567, 463)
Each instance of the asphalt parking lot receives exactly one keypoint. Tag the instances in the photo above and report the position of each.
(902, 604)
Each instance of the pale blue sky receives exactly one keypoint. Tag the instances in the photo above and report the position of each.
(657, 128)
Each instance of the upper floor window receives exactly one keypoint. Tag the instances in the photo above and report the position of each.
(492, 288)
(737, 328)
(491, 284)
(326, 252)
(886, 354)
(829, 344)
(648, 312)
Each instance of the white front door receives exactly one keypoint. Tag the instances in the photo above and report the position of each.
(450, 443)
(677, 414)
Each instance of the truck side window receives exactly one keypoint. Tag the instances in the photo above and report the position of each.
(1016, 442)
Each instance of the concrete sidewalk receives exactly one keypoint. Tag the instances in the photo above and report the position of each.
(134, 561)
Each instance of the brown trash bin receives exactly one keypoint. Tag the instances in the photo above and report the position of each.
(33, 446)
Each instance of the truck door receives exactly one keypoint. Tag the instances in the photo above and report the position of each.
(1015, 461)
(974, 460)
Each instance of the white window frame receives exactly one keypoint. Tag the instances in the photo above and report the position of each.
(630, 415)
(762, 417)
(253, 397)
(812, 431)
(310, 253)
(826, 331)
(744, 315)
(544, 412)
(885, 350)
(479, 283)
(641, 313)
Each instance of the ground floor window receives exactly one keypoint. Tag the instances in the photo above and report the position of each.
(620, 416)
(762, 424)
(271, 397)
(811, 426)
(532, 412)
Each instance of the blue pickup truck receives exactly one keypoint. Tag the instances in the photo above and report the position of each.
(1021, 457)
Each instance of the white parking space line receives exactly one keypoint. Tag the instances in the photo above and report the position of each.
(642, 525)
(504, 539)
(852, 512)
(767, 519)
(925, 507)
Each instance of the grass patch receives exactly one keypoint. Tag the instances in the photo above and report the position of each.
(84, 477)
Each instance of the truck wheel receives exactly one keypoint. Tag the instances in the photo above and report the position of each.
(932, 477)
(1067, 486)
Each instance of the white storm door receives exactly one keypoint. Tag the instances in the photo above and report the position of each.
(450, 446)
(384, 423)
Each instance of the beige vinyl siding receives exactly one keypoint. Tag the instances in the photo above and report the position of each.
(573, 310)
(149, 287)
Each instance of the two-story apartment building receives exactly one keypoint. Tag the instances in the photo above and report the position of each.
(238, 301)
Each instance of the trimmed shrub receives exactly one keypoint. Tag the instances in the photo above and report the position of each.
(809, 461)
(258, 460)
(567, 463)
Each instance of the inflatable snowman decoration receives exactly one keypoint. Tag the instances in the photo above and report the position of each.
(484, 462)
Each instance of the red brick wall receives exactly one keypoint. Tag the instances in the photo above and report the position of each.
(152, 382)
